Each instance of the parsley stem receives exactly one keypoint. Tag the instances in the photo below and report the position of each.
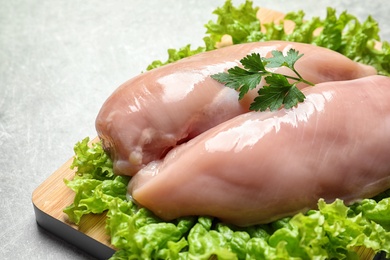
(300, 77)
(307, 82)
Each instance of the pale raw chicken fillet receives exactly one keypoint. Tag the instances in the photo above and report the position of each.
(153, 112)
(261, 166)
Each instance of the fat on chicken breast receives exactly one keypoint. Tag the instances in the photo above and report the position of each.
(159, 109)
(260, 166)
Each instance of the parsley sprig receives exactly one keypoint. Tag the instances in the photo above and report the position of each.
(281, 90)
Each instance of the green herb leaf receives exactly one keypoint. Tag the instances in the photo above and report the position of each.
(279, 60)
(253, 63)
(293, 97)
(271, 96)
(244, 79)
(239, 79)
(279, 91)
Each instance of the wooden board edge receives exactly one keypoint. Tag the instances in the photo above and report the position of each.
(71, 235)
(51, 197)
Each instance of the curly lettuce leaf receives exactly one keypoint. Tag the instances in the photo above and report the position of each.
(343, 33)
(239, 22)
(377, 211)
(94, 184)
(334, 231)
(91, 162)
(141, 235)
(174, 55)
(94, 196)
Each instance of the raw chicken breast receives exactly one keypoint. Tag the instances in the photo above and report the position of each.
(153, 112)
(261, 166)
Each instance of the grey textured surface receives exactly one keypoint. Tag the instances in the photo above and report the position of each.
(59, 60)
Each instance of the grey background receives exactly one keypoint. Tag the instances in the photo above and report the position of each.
(59, 60)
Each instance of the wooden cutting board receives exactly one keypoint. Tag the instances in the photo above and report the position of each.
(52, 196)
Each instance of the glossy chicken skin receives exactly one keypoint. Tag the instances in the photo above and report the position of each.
(260, 166)
(153, 112)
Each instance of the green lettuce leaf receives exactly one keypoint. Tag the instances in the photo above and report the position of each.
(343, 33)
(174, 55)
(94, 196)
(239, 22)
(91, 162)
(94, 184)
(141, 235)
(377, 211)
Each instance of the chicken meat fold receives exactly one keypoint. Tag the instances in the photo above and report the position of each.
(153, 112)
(261, 166)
